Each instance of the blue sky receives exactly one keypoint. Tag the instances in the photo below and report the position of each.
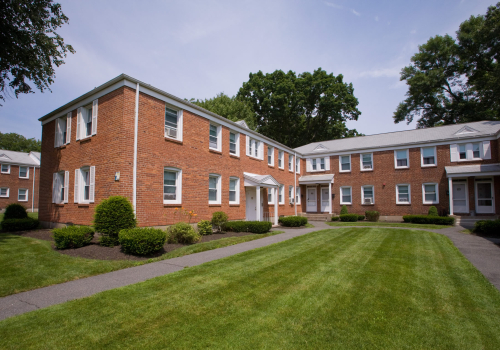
(200, 48)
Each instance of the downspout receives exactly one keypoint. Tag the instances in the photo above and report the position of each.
(295, 182)
(134, 176)
(33, 193)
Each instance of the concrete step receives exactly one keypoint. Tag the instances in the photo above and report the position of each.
(471, 220)
(316, 216)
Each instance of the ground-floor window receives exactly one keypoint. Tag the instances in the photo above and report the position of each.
(281, 194)
(367, 195)
(85, 184)
(60, 183)
(290, 194)
(4, 192)
(214, 189)
(22, 195)
(345, 195)
(172, 185)
(297, 195)
(403, 194)
(234, 193)
(270, 194)
(430, 193)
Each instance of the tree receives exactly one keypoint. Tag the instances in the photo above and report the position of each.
(19, 143)
(30, 45)
(300, 109)
(229, 107)
(455, 81)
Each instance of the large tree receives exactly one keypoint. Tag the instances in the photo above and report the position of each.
(455, 80)
(299, 109)
(19, 143)
(30, 45)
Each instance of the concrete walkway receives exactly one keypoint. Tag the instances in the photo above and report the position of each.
(482, 253)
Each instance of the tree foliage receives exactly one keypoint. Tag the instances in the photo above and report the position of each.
(30, 45)
(455, 81)
(300, 109)
(19, 143)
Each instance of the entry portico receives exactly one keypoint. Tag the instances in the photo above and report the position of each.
(254, 183)
(312, 182)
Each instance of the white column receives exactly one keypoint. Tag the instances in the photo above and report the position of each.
(450, 191)
(257, 199)
(275, 206)
(330, 197)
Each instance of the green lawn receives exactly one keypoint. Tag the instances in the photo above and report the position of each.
(31, 215)
(348, 288)
(388, 224)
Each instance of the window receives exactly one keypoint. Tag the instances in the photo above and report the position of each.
(234, 193)
(403, 194)
(366, 161)
(297, 165)
(215, 137)
(254, 148)
(5, 168)
(4, 192)
(290, 162)
(322, 164)
(60, 182)
(270, 194)
(428, 156)
(290, 194)
(22, 195)
(345, 195)
(281, 159)
(470, 151)
(318, 164)
(84, 185)
(476, 152)
(234, 144)
(462, 152)
(270, 155)
(367, 195)
(87, 121)
(173, 124)
(24, 172)
(314, 165)
(297, 195)
(430, 193)
(402, 159)
(172, 186)
(214, 194)
(345, 163)
(281, 197)
(63, 130)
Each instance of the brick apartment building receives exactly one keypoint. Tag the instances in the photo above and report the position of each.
(19, 179)
(162, 152)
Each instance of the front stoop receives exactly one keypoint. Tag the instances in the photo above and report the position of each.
(316, 216)
(471, 220)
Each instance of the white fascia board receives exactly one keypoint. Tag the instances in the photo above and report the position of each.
(477, 174)
(20, 164)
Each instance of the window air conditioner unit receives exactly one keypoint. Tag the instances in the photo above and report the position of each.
(171, 132)
(368, 201)
(292, 200)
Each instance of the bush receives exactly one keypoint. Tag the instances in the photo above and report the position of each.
(426, 219)
(72, 236)
(19, 224)
(219, 219)
(372, 216)
(335, 218)
(183, 233)
(248, 226)
(205, 227)
(488, 227)
(432, 211)
(142, 241)
(348, 217)
(361, 217)
(343, 210)
(293, 221)
(15, 211)
(111, 216)
(107, 241)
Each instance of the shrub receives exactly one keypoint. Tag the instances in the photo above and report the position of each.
(111, 216)
(249, 226)
(72, 236)
(344, 210)
(15, 211)
(348, 217)
(205, 227)
(361, 217)
(335, 218)
(432, 211)
(488, 227)
(142, 241)
(183, 233)
(372, 215)
(219, 219)
(426, 219)
(19, 224)
(293, 221)
(108, 241)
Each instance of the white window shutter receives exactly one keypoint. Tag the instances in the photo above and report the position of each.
(454, 152)
(469, 151)
(66, 186)
(92, 184)
(486, 150)
(327, 163)
(54, 187)
(308, 165)
(261, 150)
(94, 117)
(79, 118)
(56, 135)
(68, 128)
(77, 189)
(247, 144)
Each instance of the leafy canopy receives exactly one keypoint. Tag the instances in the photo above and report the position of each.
(19, 143)
(30, 45)
(455, 81)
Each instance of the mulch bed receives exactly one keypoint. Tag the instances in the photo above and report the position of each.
(95, 251)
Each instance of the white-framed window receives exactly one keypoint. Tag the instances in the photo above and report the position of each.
(462, 151)
(281, 198)
(5, 168)
(270, 195)
(318, 164)
(366, 161)
(22, 195)
(215, 137)
(24, 172)
(367, 194)
(234, 143)
(297, 195)
(314, 164)
(234, 190)
(430, 193)
(86, 125)
(63, 130)
(172, 185)
(4, 192)
(470, 151)
(290, 162)
(428, 156)
(173, 123)
(270, 155)
(60, 184)
(281, 159)
(402, 159)
(84, 185)
(214, 192)
(476, 150)
(255, 148)
(297, 165)
(345, 163)
(403, 194)
(346, 195)
(290, 194)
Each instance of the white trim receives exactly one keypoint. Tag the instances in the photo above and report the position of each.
(7, 193)
(66, 187)
(361, 162)
(237, 190)
(340, 164)
(237, 143)
(492, 182)
(407, 166)
(178, 186)
(363, 194)
(281, 156)
(270, 148)
(436, 186)
(466, 195)
(469, 152)
(81, 185)
(297, 165)
(297, 195)
(291, 162)
(325, 161)
(422, 157)
(218, 188)
(341, 199)
(219, 137)
(253, 145)
(27, 172)
(280, 188)
(270, 192)
(180, 118)
(27, 196)
(397, 194)
(94, 117)
(68, 127)
(4, 172)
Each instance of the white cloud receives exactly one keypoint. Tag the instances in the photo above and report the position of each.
(382, 73)
(331, 4)
(413, 31)
(355, 12)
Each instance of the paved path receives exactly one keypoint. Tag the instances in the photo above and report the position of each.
(483, 254)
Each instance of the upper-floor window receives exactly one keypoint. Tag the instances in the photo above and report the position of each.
(401, 159)
(254, 148)
(462, 151)
(366, 161)
(5, 169)
(281, 197)
(470, 151)
(22, 195)
(403, 194)
(173, 124)
(234, 143)
(430, 193)
(290, 162)
(63, 130)
(214, 194)
(4, 192)
(60, 184)
(234, 193)
(318, 164)
(346, 195)
(476, 153)
(86, 125)
(345, 163)
(281, 159)
(84, 185)
(172, 186)
(24, 172)
(270, 155)
(215, 137)
(428, 155)
(367, 195)
(297, 165)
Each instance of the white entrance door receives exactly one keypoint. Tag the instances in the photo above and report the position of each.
(312, 200)
(325, 200)
(460, 198)
(484, 197)
(251, 200)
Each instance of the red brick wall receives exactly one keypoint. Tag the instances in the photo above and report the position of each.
(14, 183)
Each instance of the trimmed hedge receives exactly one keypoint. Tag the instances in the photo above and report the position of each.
(335, 218)
(219, 219)
(248, 226)
(107, 241)
(183, 232)
(293, 221)
(372, 216)
(142, 241)
(15, 211)
(348, 217)
(72, 236)
(344, 210)
(432, 211)
(488, 227)
(205, 227)
(25, 224)
(426, 219)
(111, 216)
(361, 217)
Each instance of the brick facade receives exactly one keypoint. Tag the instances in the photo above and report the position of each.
(13, 182)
